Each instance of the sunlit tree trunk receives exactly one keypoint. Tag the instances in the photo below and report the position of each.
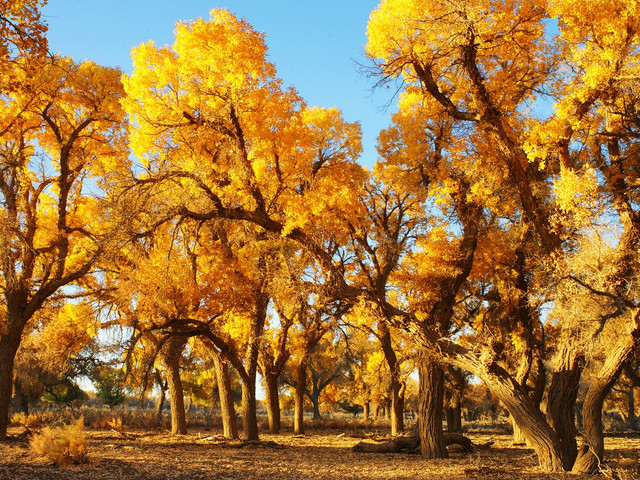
(431, 396)
(227, 409)
(524, 411)
(173, 352)
(592, 449)
(563, 393)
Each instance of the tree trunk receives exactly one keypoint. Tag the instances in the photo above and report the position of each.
(519, 437)
(563, 393)
(592, 449)
(431, 396)
(8, 347)
(163, 393)
(457, 418)
(249, 416)
(525, 413)
(366, 411)
(172, 356)
(301, 380)
(273, 403)
(227, 409)
(397, 407)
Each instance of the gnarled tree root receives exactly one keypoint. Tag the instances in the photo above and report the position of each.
(412, 444)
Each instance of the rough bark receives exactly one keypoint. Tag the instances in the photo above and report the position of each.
(563, 393)
(525, 413)
(301, 380)
(8, 349)
(171, 357)
(227, 408)
(397, 408)
(273, 403)
(591, 451)
(431, 395)
(249, 417)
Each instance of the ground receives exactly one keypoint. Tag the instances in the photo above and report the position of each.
(323, 454)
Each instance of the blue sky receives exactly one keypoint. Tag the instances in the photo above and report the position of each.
(315, 45)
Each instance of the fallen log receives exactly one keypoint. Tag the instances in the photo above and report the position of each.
(412, 444)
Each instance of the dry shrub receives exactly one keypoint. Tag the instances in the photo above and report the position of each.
(26, 421)
(116, 424)
(62, 445)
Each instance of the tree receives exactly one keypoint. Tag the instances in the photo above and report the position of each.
(109, 388)
(68, 138)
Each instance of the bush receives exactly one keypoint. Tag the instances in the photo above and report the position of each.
(62, 445)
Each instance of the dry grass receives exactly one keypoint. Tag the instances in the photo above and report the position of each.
(62, 445)
(322, 454)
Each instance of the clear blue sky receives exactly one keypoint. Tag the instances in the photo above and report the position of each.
(314, 45)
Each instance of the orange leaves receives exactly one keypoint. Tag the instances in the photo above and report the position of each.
(437, 41)
(211, 108)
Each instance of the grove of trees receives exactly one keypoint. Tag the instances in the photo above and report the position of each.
(210, 213)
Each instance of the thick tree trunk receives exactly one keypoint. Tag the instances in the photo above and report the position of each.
(227, 409)
(397, 407)
(431, 395)
(273, 403)
(249, 415)
(366, 411)
(8, 347)
(172, 356)
(525, 413)
(592, 449)
(301, 380)
(563, 393)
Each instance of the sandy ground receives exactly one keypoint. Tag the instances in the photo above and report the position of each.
(324, 454)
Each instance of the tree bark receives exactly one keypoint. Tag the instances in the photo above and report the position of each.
(366, 411)
(172, 355)
(227, 408)
(397, 408)
(8, 348)
(301, 380)
(563, 393)
(273, 403)
(249, 416)
(431, 395)
(525, 413)
(591, 451)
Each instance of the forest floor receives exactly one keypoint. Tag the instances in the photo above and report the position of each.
(322, 454)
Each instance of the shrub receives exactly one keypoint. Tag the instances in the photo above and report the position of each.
(62, 445)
